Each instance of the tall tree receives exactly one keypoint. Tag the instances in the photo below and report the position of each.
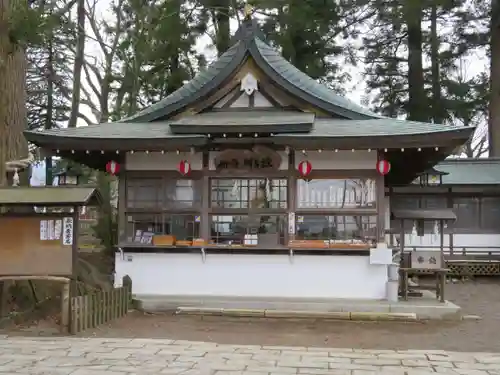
(12, 86)
(220, 13)
(494, 106)
(78, 63)
(417, 100)
(308, 33)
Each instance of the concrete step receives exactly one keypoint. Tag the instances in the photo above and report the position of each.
(424, 308)
(290, 314)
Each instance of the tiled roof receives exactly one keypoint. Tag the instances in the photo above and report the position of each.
(371, 127)
(481, 171)
(247, 118)
(116, 130)
(322, 127)
(48, 195)
(199, 85)
(249, 42)
(302, 81)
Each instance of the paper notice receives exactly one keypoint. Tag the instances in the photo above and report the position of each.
(67, 231)
(50, 229)
(57, 229)
(291, 222)
(43, 230)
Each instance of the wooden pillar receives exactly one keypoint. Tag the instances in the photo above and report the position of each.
(449, 204)
(388, 201)
(121, 220)
(291, 194)
(205, 231)
(65, 307)
(4, 296)
(73, 287)
(381, 207)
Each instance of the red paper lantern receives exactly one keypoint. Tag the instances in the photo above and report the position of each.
(383, 167)
(112, 167)
(184, 167)
(305, 168)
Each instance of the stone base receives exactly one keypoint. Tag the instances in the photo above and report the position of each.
(292, 314)
(423, 308)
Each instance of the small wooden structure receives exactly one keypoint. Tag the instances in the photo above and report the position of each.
(430, 261)
(38, 232)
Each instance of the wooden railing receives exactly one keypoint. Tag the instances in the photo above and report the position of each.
(464, 262)
(96, 308)
(493, 251)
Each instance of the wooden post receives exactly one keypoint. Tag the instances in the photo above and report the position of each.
(205, 224)
(74, 251)
(291, 196)
(127, 284)
(4, 296)
(381, 203)
(65, 308)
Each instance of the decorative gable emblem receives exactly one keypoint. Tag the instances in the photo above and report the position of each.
(249, 84)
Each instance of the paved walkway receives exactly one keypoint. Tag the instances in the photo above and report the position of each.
(82, 356)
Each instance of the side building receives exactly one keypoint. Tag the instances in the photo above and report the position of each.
(471, 187)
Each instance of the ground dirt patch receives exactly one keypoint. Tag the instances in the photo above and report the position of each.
(479, 297)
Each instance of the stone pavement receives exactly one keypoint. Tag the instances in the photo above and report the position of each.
(93, 356)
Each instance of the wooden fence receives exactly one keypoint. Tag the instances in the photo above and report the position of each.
(94, 309)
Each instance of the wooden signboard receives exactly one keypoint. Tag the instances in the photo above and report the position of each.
(36, 246)
(427, 260)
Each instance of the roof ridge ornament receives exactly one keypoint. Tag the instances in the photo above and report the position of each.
(248, 11)
(249, 84)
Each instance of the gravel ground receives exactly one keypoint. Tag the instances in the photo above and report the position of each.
(478, 297)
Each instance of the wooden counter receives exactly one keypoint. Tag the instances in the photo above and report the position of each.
(142, 248)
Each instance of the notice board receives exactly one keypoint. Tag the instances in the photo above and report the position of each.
(36, 246)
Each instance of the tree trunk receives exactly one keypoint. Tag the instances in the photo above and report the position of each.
(220, 14)
(494, 107)
(417, 106)
(78, 65)
(13, 145)
(437, 108)
(49, 118)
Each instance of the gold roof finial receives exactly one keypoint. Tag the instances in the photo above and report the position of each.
(248, 10)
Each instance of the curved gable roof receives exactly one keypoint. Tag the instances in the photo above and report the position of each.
(303, 86)
(202, 84)
(248, 41)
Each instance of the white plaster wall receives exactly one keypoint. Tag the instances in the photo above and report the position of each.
(253, 275)
(214, 154)
(359, 159)
(156, 161)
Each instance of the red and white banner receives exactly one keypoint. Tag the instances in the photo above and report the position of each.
(184, 167)
(305, 168)
(112, 167)
(383, 167)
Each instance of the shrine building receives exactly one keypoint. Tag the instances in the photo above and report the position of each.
(255, 181)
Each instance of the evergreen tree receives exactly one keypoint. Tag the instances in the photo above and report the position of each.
(308, 33)
(410, 67)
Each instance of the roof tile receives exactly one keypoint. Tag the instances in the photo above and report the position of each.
(479, 171)
(32, 196)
